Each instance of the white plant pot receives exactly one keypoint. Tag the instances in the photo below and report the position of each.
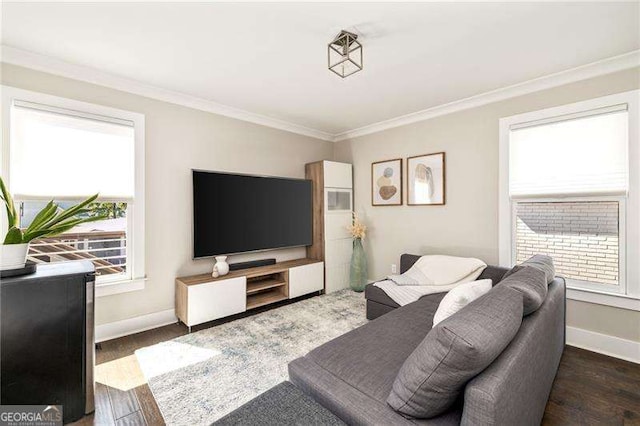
(13, 256)
(221, 266)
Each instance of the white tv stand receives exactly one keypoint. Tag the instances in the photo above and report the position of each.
(202, 298)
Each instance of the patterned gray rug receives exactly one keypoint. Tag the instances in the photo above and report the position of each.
(198, 378)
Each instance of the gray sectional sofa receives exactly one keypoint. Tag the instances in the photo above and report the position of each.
(353, 374)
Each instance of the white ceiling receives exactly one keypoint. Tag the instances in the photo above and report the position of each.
(270, 58)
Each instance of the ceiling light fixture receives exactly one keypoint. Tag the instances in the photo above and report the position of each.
(345, 54)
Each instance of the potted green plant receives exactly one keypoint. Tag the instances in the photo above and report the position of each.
(49, 222)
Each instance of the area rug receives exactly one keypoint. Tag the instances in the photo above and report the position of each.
(200, 377)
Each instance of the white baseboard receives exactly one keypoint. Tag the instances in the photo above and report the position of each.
(134, 325)
(616, 347)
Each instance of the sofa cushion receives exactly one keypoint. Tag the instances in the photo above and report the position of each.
(459, 297)
(352, 374)
(541, 262)
(493, 273)
(369, 357)
(531, 283)
(434, 375)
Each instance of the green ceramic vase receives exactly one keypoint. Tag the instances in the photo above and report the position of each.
(358, 273)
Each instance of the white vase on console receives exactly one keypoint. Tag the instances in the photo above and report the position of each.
(221, 266)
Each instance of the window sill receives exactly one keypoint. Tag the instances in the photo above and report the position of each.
(616, 300)
(117, 287)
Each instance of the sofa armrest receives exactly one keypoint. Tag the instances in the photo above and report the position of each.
(515, 388)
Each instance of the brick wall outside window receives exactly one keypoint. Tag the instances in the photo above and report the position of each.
(581, 236)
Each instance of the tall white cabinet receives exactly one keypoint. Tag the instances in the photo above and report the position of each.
(332, 207)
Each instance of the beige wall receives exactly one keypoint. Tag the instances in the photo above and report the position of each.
(180, 138)
(468, 224)
(177, 140)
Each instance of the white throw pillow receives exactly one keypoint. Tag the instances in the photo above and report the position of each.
(459, 297)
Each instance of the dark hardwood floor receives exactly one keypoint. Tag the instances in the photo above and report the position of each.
(590, 389)
(594, 389)
(122, 405)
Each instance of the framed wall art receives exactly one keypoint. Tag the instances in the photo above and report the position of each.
(426, 180)
(386, 183)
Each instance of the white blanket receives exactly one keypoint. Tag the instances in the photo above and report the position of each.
(429, 275)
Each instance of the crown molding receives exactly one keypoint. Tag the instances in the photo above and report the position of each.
(594, 69)
(48, 64)
(62, 68)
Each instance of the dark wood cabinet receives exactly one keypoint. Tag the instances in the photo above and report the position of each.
(47, 338)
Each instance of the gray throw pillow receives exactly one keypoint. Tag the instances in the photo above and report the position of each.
(531, 283)
(541, 262)
(433, 377)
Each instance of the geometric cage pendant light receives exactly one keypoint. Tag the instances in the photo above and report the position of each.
(345, 54)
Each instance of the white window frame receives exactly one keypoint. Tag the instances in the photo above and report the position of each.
(106, 285)
(628, 295)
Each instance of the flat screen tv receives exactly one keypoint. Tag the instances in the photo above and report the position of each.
(239, 213)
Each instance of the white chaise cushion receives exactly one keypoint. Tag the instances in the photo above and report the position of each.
(459, 297)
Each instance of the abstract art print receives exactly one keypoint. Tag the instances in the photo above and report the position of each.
(426, 180)
(386, 183)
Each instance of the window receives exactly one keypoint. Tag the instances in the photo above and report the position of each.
(575, 156)
(582, 237)
(567, 190)
(67, 150)
(103, 242)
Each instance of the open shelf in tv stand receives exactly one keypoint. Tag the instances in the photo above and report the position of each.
(266, 289)
(203, 298)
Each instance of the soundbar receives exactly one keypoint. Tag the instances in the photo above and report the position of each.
(251, 264)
